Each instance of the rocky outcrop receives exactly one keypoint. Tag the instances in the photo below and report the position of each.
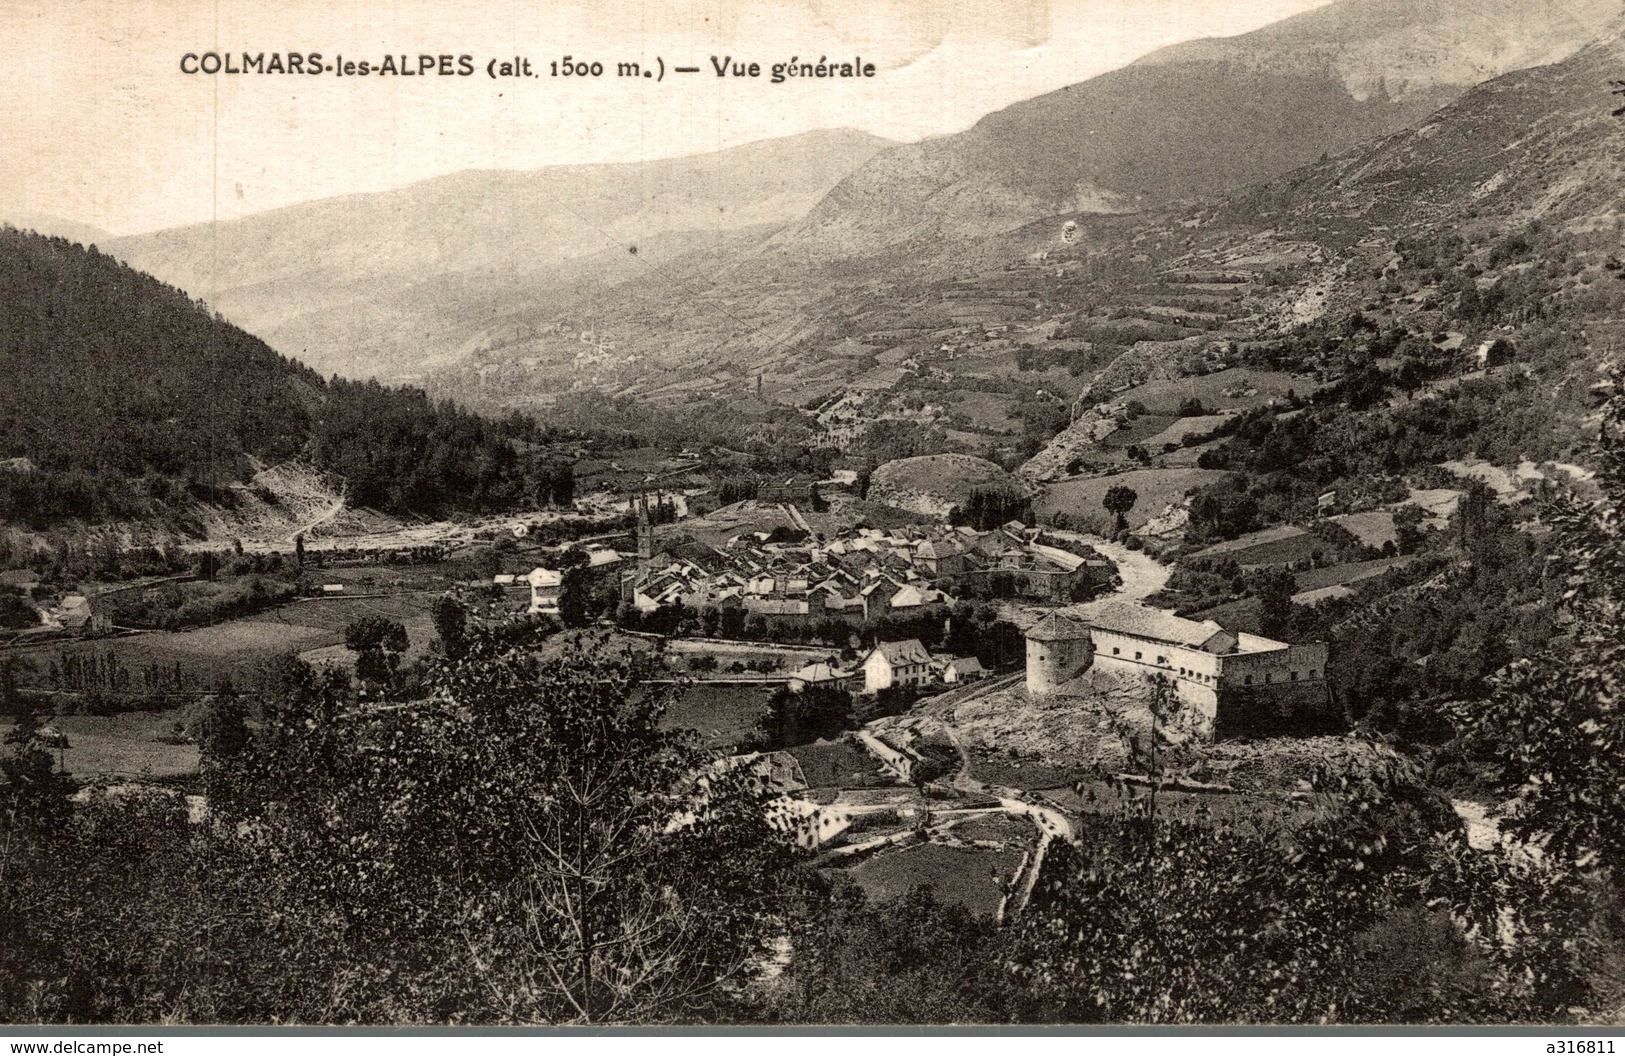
(932, 485)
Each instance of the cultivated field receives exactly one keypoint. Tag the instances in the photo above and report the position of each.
(722, 715)
(1080, 499)
(1279, 545)
(965, 876)
(236, 649)
(1353, 572)
(1183, 427)
(838, 764)
(124, 746)
(1164, 397)
(984, 410)
(1373, 528)
(999, 769)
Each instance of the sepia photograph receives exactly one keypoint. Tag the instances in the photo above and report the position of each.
(796, 516)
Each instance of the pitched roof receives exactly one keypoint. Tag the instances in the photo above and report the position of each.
(820, 672)
(911, 651)
(1058, 627)
(1160, 626)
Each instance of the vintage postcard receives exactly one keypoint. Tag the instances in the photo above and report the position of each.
(801, 515)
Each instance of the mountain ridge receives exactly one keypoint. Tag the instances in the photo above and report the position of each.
(295, 275)
(1198, 118)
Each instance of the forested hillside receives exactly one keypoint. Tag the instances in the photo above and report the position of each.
(124, 398)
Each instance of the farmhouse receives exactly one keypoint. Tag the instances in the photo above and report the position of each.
(545, 585)
(905, 663)
(963, 669)
(824, 675)
(79, 615)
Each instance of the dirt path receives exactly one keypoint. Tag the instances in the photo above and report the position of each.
(327, 515)
(1142, 576)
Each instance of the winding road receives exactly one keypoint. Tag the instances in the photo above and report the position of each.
(1141, 576)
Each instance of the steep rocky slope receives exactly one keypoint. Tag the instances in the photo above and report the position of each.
(1197, 118)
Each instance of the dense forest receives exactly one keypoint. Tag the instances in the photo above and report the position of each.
(125, 397)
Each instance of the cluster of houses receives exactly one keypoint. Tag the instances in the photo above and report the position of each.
(887, 665)
(546, 584)
(865, 574)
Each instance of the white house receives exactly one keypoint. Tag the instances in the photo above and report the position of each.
(908, 596)
(963, 669)
(822, 675)
(905, 663)
(78, 614)
(544, 590)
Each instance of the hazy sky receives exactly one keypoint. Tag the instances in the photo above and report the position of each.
(99, 124)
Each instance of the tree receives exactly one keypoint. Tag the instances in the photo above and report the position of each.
(629, 904)
(1218, 928)
(1473, 511)
(1408, 528)
(378, 643)
(575, 597)
(1212, 922)
(1274, 588)
(1222, 511)
(987, 508)
(16, 612)
(528, 844)
(910, 960)
(1553, 725)
(1118, 500)
(451, 624)
(488, 563)
(33, 795)
(799, 717)
(1553, 734)
(222, 737)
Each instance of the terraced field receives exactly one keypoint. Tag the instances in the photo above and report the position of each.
(1080, 499)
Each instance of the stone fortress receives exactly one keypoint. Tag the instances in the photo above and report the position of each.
(1212, 669)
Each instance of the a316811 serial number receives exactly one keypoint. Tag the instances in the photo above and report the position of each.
(1589, 1047)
